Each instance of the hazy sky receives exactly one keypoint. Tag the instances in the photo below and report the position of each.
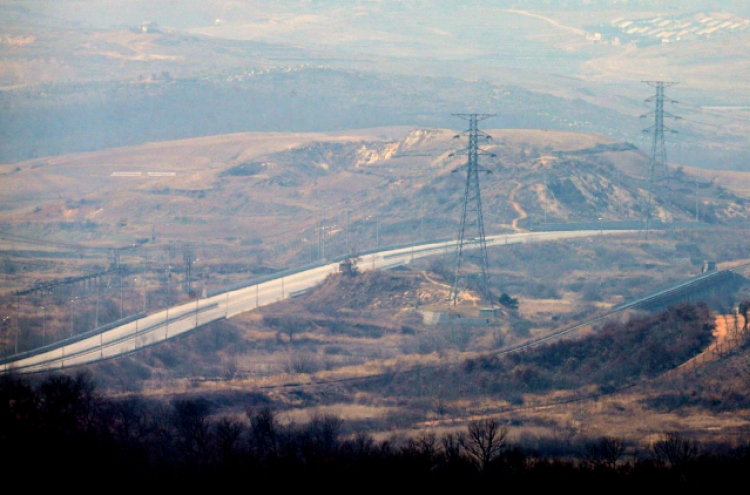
(197, 13)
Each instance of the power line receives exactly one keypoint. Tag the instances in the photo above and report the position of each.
(716, 146)
(42, 242)
(700, 122)
(21, 239)
(717, 114)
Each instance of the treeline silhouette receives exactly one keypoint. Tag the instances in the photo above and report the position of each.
(60, 430)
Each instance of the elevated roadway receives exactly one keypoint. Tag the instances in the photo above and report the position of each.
(179, 320)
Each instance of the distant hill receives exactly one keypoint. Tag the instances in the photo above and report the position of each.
(279, 187)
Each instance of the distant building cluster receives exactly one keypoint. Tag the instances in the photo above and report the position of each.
(141, 174)
(666, 29)
(246, 75)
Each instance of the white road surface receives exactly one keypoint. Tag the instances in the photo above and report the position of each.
(179, 320)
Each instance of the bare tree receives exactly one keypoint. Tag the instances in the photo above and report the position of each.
(676, 449)
(424, 445)
(287, 324)
(321, 436)
(128, 419)
(228, 432)
(484, 440)
(231, 368)
(190, 420)
(460, 337)
(604, 452)
(264, 432)
(68, 403)
(363, 445)
(451, 447)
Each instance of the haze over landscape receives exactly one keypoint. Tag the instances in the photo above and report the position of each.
(230, 237)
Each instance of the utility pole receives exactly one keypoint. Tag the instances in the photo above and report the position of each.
(658, 169)
(121, 302)
(320, 237)
(6, 323)
(696, 201)
(546, 199)
(324, 236)
(169, 279)
(135, 306)
(98, 295)
(421, 215)
(619, 190)
(472, 245)
(71, 317)
(44, 325)
(187, 258)
(18, 322)
(346, 231)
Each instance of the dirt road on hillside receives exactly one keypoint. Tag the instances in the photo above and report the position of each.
(555, 23)
(521, 213)
(724, 331)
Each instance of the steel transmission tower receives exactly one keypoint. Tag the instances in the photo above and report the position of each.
(472, 245)
(658, 171)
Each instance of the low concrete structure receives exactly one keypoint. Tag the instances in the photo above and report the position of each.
(709, 266)
(433, 318)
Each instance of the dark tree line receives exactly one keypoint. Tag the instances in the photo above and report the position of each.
(60, 429)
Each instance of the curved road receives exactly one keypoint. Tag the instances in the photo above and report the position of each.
(179, 320)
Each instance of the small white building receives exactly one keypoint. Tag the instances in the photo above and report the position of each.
(149, 27)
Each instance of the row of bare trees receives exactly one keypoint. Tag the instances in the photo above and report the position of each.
(60, 424)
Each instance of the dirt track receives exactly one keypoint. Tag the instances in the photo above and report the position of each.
(521, 213)
(724, 331)
(553, 22)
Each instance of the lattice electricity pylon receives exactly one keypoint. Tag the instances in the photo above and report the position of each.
(472, 245)
(658, 171)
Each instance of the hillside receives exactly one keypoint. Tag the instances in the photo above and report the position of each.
(241, 205)
(257, 179)
(355, 347)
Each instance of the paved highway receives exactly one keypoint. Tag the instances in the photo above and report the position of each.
(179, 320)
